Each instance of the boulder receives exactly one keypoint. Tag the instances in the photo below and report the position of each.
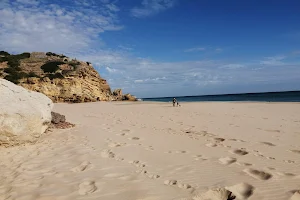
(24, 115)
(59, 121)
(117, 92)
(57, 118)
(129, 97)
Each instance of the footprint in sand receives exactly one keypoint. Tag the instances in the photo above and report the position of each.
(149, 148)
(215, 194)
(115, 144)
(140, 171)
(184, 186)
(236, 140)
(227, 160)
(201, 159)
(107, 153)
(197, 157)
(239, 152)
(170, 182)
(87, 187)
(289, 161)
(270, 158)
(241, 191)
(137, 163)
(82, 167)
(295, 151)
(268, 144)
(181, 151)
(119, 159)
(258, 174)
(134, 138)
(273, 131)
(270, 168)
(211, 145)
(153, 176)
(219, 139)
(285, 174)
(121, 134)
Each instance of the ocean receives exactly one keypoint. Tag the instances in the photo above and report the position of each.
(291, 96)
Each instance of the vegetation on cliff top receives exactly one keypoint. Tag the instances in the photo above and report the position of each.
(54, 54)
(13, 71)
(51, 67)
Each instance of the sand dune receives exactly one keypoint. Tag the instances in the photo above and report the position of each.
(153, 151)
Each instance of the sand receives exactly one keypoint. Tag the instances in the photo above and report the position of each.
(153, 151)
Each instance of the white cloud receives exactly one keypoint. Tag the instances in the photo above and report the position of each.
(112, 7)
(207, 49)
(31, 25)
(111, 70)
(275, 60)
(28, 2)
(218, 49)
(196, 49)
(125, 48)
(146, 77)
(138, 81)
(151, 7)
(232, 66)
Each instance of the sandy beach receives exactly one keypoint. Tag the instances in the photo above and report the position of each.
(153, 151)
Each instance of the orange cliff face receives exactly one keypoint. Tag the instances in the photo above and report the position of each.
(60, 78)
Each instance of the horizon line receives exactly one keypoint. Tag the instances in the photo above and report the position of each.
(286, 91)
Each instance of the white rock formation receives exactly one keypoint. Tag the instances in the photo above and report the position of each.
(24, 114)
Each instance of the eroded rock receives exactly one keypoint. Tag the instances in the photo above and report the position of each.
(24, 115)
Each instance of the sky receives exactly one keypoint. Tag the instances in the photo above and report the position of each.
(159, 48)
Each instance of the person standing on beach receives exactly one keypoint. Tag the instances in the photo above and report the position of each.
(174, 101)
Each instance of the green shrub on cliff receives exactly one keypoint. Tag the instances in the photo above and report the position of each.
(13, 60)
(56, 75)
(12, 78)
(10, 70)
(4, 53)
(51, 67)
(49, 54)
(54, 54)
(15, 76)
(32, 74)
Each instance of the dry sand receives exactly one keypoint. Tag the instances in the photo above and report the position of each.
(153, 151)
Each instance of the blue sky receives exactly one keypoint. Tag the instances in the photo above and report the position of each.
(153, 48)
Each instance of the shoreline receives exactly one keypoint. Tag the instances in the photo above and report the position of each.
(240, 102)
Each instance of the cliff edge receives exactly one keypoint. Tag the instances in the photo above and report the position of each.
(59, 77)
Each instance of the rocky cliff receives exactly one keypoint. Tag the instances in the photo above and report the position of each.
(60, 78)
